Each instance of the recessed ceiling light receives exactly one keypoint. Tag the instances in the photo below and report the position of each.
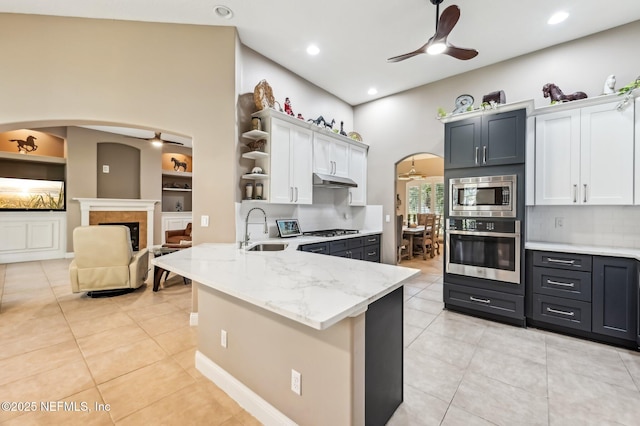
(557, 17)
(373, 91)
(223, 11)
(313, 49)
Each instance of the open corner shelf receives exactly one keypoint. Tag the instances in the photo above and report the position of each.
(255, 155)
(255, 134)
(255, 176)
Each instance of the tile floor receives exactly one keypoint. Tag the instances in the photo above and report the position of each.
(461, 370)
(136, 353)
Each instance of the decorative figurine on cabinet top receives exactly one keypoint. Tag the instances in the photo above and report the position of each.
(300, 116)
(609, 85)
(342, 132)
(263, 95)
(552, 91)
(497, 97)
(287, 107)
(463, 103)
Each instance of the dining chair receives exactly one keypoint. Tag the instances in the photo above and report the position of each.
(401, 242)
(421, 242)
(436, 234)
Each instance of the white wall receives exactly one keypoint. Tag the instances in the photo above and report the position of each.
(399, 125)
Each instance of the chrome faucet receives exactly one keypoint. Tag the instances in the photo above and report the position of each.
(245, 242)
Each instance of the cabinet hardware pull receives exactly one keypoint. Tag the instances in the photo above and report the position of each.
(296, 194)
(477, 155)
(371, 240)
(484, 154)
(584, 200)
(291, 193)
(567, 262)
(372, 253)
(480, 300)
(333, 167)
(561, 283)
(318, 250)
(575, 193)
(555, 311)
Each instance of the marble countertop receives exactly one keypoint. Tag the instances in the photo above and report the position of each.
(312, 289)
(294, 242)
(582, 249)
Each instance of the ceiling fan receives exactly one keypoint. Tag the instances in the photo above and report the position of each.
(412, 174)
(156, 140)
(438, 42)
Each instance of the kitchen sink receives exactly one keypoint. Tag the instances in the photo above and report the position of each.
(269, 247)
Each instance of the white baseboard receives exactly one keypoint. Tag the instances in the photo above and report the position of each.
(248, 399)
(193, 319)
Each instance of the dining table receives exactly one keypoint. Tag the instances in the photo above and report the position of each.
(410, 233)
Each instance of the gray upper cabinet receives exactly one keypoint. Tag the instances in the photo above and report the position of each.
(487, 140)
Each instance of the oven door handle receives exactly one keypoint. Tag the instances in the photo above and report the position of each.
(485, 234)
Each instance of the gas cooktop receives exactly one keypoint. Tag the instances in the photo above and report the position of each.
(331, 232)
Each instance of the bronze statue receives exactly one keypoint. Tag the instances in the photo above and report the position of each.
(553, 91)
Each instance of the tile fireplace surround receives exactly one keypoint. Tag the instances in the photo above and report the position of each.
(103, 210)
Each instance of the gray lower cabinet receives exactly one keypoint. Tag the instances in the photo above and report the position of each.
(595, 295)
(615, 290)
(360, 248)
(478, 299)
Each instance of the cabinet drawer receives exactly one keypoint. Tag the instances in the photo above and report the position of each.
(372, 253)
(355, 253)
(322, 248)
(338, 246)
(507, 305)
(575, 262)
(574, 285)
(355, 242)
(371, 240)
(564, 312)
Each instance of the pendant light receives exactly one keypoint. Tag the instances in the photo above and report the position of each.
(413, 174)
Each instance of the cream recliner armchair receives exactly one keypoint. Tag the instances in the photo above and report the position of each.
(104, 259)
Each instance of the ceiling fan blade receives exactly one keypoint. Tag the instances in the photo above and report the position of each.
(447, 21)
(460, 52)
(399, 58)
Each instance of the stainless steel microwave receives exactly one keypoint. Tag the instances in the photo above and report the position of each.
(493, 196)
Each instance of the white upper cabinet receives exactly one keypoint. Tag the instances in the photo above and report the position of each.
(585, 156)
(637, 153)
(291, 163)
(330, 156)
(358, 172)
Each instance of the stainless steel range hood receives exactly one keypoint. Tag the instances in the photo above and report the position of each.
(328, 181)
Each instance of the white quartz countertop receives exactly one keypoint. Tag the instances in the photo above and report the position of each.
(581, 249)
(313, 289)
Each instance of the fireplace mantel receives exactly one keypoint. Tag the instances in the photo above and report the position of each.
(118, 204)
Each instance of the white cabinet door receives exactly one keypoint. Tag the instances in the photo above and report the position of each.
(330, 156)
(358, 172)
(322, 162)
(281, 189)
(302, 166)
(606, 155)
(340, 157)
(557, 168)
(291, 164)
(637, 153)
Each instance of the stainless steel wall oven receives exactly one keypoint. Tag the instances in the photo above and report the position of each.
(484, 248)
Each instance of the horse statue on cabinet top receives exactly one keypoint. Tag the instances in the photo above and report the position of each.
(320, 120)
(554, 92)
(26, 145)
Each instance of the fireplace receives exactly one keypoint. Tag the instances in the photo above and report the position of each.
(94, 211)
(134, 230)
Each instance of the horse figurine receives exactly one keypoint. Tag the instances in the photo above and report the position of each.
(318, 120)
(177, 164)
(553, 91)
(27, 146)
(330, 125)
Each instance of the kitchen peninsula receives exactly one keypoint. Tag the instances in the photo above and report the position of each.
(336, 321)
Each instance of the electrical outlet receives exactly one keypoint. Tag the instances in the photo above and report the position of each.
(296, 382)
(223, 338)
(559, 222)
(204, 221)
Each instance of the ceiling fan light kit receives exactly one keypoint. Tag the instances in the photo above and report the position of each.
(438, 43)
(412, 174)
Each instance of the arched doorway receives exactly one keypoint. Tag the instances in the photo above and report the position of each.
(419, 189)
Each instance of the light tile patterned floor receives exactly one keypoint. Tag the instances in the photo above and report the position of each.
(136, 353)
(461, 370)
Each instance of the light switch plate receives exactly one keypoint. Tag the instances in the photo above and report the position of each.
(204, 221)
(105, 168)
